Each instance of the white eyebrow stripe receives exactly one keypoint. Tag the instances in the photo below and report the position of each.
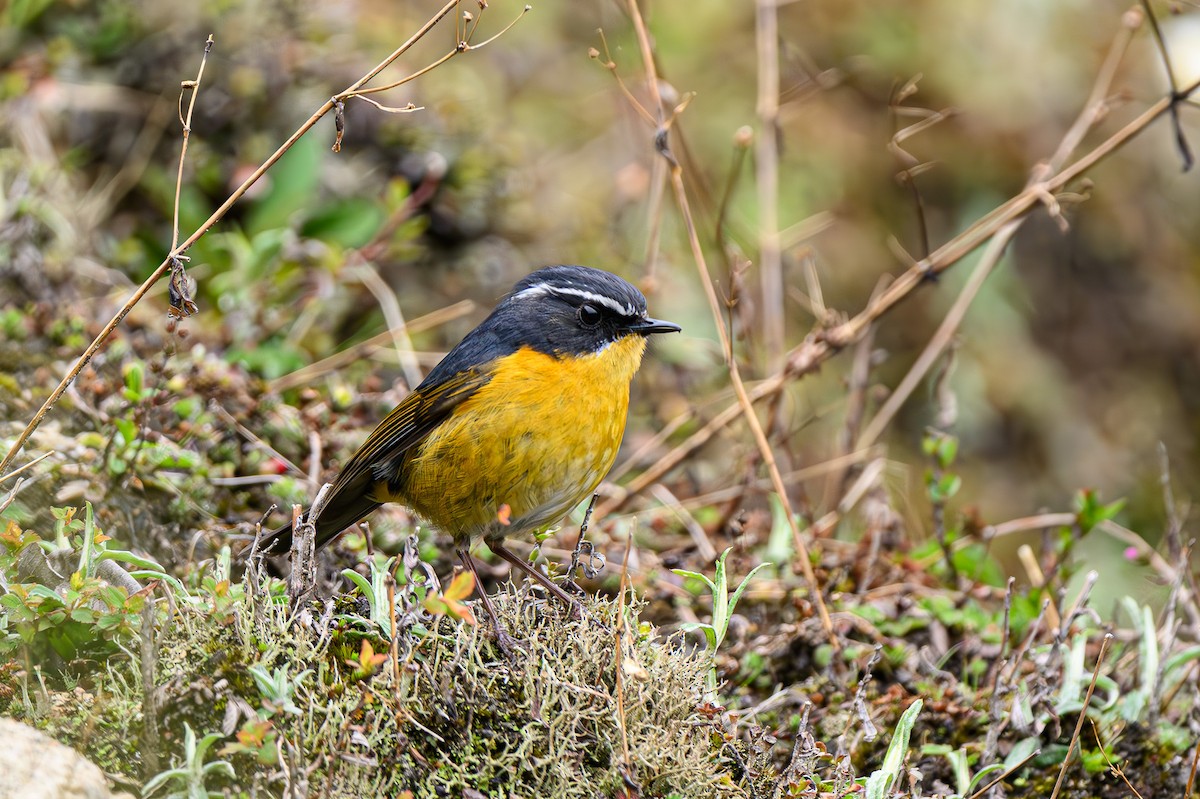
(608, 302)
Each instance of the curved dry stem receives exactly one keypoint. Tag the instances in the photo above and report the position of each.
(464, 46)
(744, 401)
(187, 129)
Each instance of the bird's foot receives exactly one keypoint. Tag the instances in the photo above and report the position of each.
(508, 645)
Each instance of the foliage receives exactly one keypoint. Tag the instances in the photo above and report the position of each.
(191, 777)
(85, 617)
(723, 604)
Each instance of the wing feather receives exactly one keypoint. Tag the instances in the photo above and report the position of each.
(406, 426)
(381, 455)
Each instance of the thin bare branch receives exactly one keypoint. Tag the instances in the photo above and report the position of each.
(194, 87)
(1087, 699)
(766, 156)
(745, 403)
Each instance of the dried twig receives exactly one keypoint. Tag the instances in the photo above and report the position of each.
(746, 404)
(1185, 151)
(1192, 774)
(148, 658)
(1113, 767)
(186, 121)
(766, 158)
(307, 374)
(619, 631)
(29, 465)
(1008, 773)
(1087, 699)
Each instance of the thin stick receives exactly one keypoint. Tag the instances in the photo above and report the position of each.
(1062, 774)
(148, 660)
(1180, 141)
(619, 657)
(186, 120)
(1192, 775)
(747, 409)
(704, 547)
(766, 157)
(820, 347)
(942, 338)
(29, 465)
(766, 388)
(250, 435)
(393, 316)
(1038, 579)
(363, 349)
(1005, 775)
(746, 404)
(1092, 111)
(216, 216)
(1112, 767)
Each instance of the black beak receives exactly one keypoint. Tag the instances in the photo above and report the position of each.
(647, 327)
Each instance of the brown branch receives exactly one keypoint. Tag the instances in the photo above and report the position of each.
(746, 404)
(186, 120)
(1087, 699)
(766, 155)
(363, 349)
(820, 347)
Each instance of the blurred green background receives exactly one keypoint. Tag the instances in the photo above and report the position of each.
(1081, 354)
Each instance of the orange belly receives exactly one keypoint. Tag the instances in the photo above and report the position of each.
(538, 437)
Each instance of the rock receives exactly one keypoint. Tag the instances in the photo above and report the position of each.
(35, 766)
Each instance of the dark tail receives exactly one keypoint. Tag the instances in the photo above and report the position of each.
(339, 513)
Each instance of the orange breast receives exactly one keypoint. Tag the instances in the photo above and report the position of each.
(538, 438)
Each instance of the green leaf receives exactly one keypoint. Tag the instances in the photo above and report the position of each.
(125, 556)
(779, 543)
(135, 382)
(1021, 749)
(977, 780)
(881, 781)
(947, 451)
(293, 182)
(949, 485)
(347, 224)
(359, 581)
(976, 562)
(22, 13)
(737, 594)
(695, 576)
(1089, 511)
(126, 428)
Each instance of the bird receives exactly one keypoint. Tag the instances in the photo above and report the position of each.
(514, 428)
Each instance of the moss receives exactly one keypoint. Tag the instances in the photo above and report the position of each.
(541, 722)
(544, 721)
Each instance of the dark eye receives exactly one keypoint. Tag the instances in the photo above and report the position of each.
(589, 315)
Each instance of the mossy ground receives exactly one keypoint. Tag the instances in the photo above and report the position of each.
(457, 714)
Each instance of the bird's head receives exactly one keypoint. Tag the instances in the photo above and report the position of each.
(574, 310)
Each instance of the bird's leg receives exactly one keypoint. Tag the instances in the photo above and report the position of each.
(507, 644)
(570, 601)
(595, 561)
